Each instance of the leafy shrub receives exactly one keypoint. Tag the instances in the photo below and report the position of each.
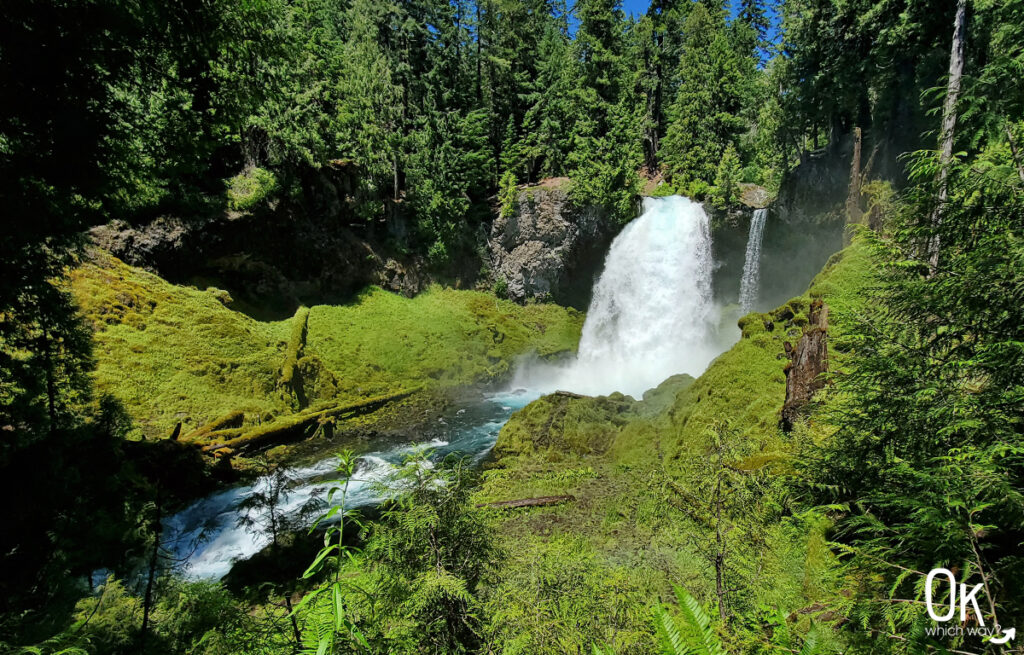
(696, 189)
(501, 288)
(507, 193)
(250, 188)
(664, 189)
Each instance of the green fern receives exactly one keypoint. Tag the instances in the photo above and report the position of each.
(690, 633)
(670, 638)
(811, 643)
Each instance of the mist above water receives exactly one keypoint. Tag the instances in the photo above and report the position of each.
(652, 314)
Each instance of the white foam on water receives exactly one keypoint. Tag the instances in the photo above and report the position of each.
(207, 537)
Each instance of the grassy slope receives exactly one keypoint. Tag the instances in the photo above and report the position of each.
(383, 341)
(171, 353)
(630, 535)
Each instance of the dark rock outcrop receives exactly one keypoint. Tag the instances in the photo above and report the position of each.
(817, 186)
(550, 248)
(272, 261)
(807, 363)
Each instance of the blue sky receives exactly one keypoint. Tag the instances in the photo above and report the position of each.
(635, 7)
(639, 7)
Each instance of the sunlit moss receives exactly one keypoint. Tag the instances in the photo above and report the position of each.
(172, 353)
(443, 337)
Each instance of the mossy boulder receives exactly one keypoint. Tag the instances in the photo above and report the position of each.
(563, 423)
(250, 188)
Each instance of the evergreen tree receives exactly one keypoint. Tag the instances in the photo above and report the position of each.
(726, 190)
(704, 117)
(548, 121)
(369, 108)
(63, 145)
(435, 552)
(932, 474)
(296, 123)
(753, 14)
(599, 49)
(771, 141)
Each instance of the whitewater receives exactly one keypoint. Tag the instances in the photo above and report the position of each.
(751, 281)
(652, 314)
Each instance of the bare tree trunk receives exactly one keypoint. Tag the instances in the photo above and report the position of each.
(956, 71)
(479, 71)
(154, 560)
(51, 384)
(853, 212)
(394, 170)
(1014, 152)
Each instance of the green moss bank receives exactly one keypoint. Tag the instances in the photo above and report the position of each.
(174, 354)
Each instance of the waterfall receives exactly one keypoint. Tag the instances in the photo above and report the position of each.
(752, 264)
(652, 313)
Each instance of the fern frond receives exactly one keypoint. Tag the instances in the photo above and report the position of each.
(703, 639)
(668, 634)
(810, 646)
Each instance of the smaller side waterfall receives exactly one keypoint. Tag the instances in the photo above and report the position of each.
(752, 264)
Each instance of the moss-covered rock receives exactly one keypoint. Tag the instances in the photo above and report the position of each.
(564, 423)
(250, 188)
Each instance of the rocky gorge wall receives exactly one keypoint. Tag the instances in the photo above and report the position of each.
(548, 247)
(271, 262)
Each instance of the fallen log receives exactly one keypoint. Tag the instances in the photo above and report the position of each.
(542, 501)
(218, 436)
(290, 428)
(230, 420)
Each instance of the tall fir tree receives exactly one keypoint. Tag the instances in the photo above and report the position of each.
(704, 117)
(369, 111)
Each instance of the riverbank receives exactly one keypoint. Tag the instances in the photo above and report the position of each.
(182, 362)
(661, 488)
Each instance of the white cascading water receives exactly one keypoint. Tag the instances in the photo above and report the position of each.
(749, 285)
(652, 314)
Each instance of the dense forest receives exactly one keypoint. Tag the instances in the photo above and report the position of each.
(697, 519)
